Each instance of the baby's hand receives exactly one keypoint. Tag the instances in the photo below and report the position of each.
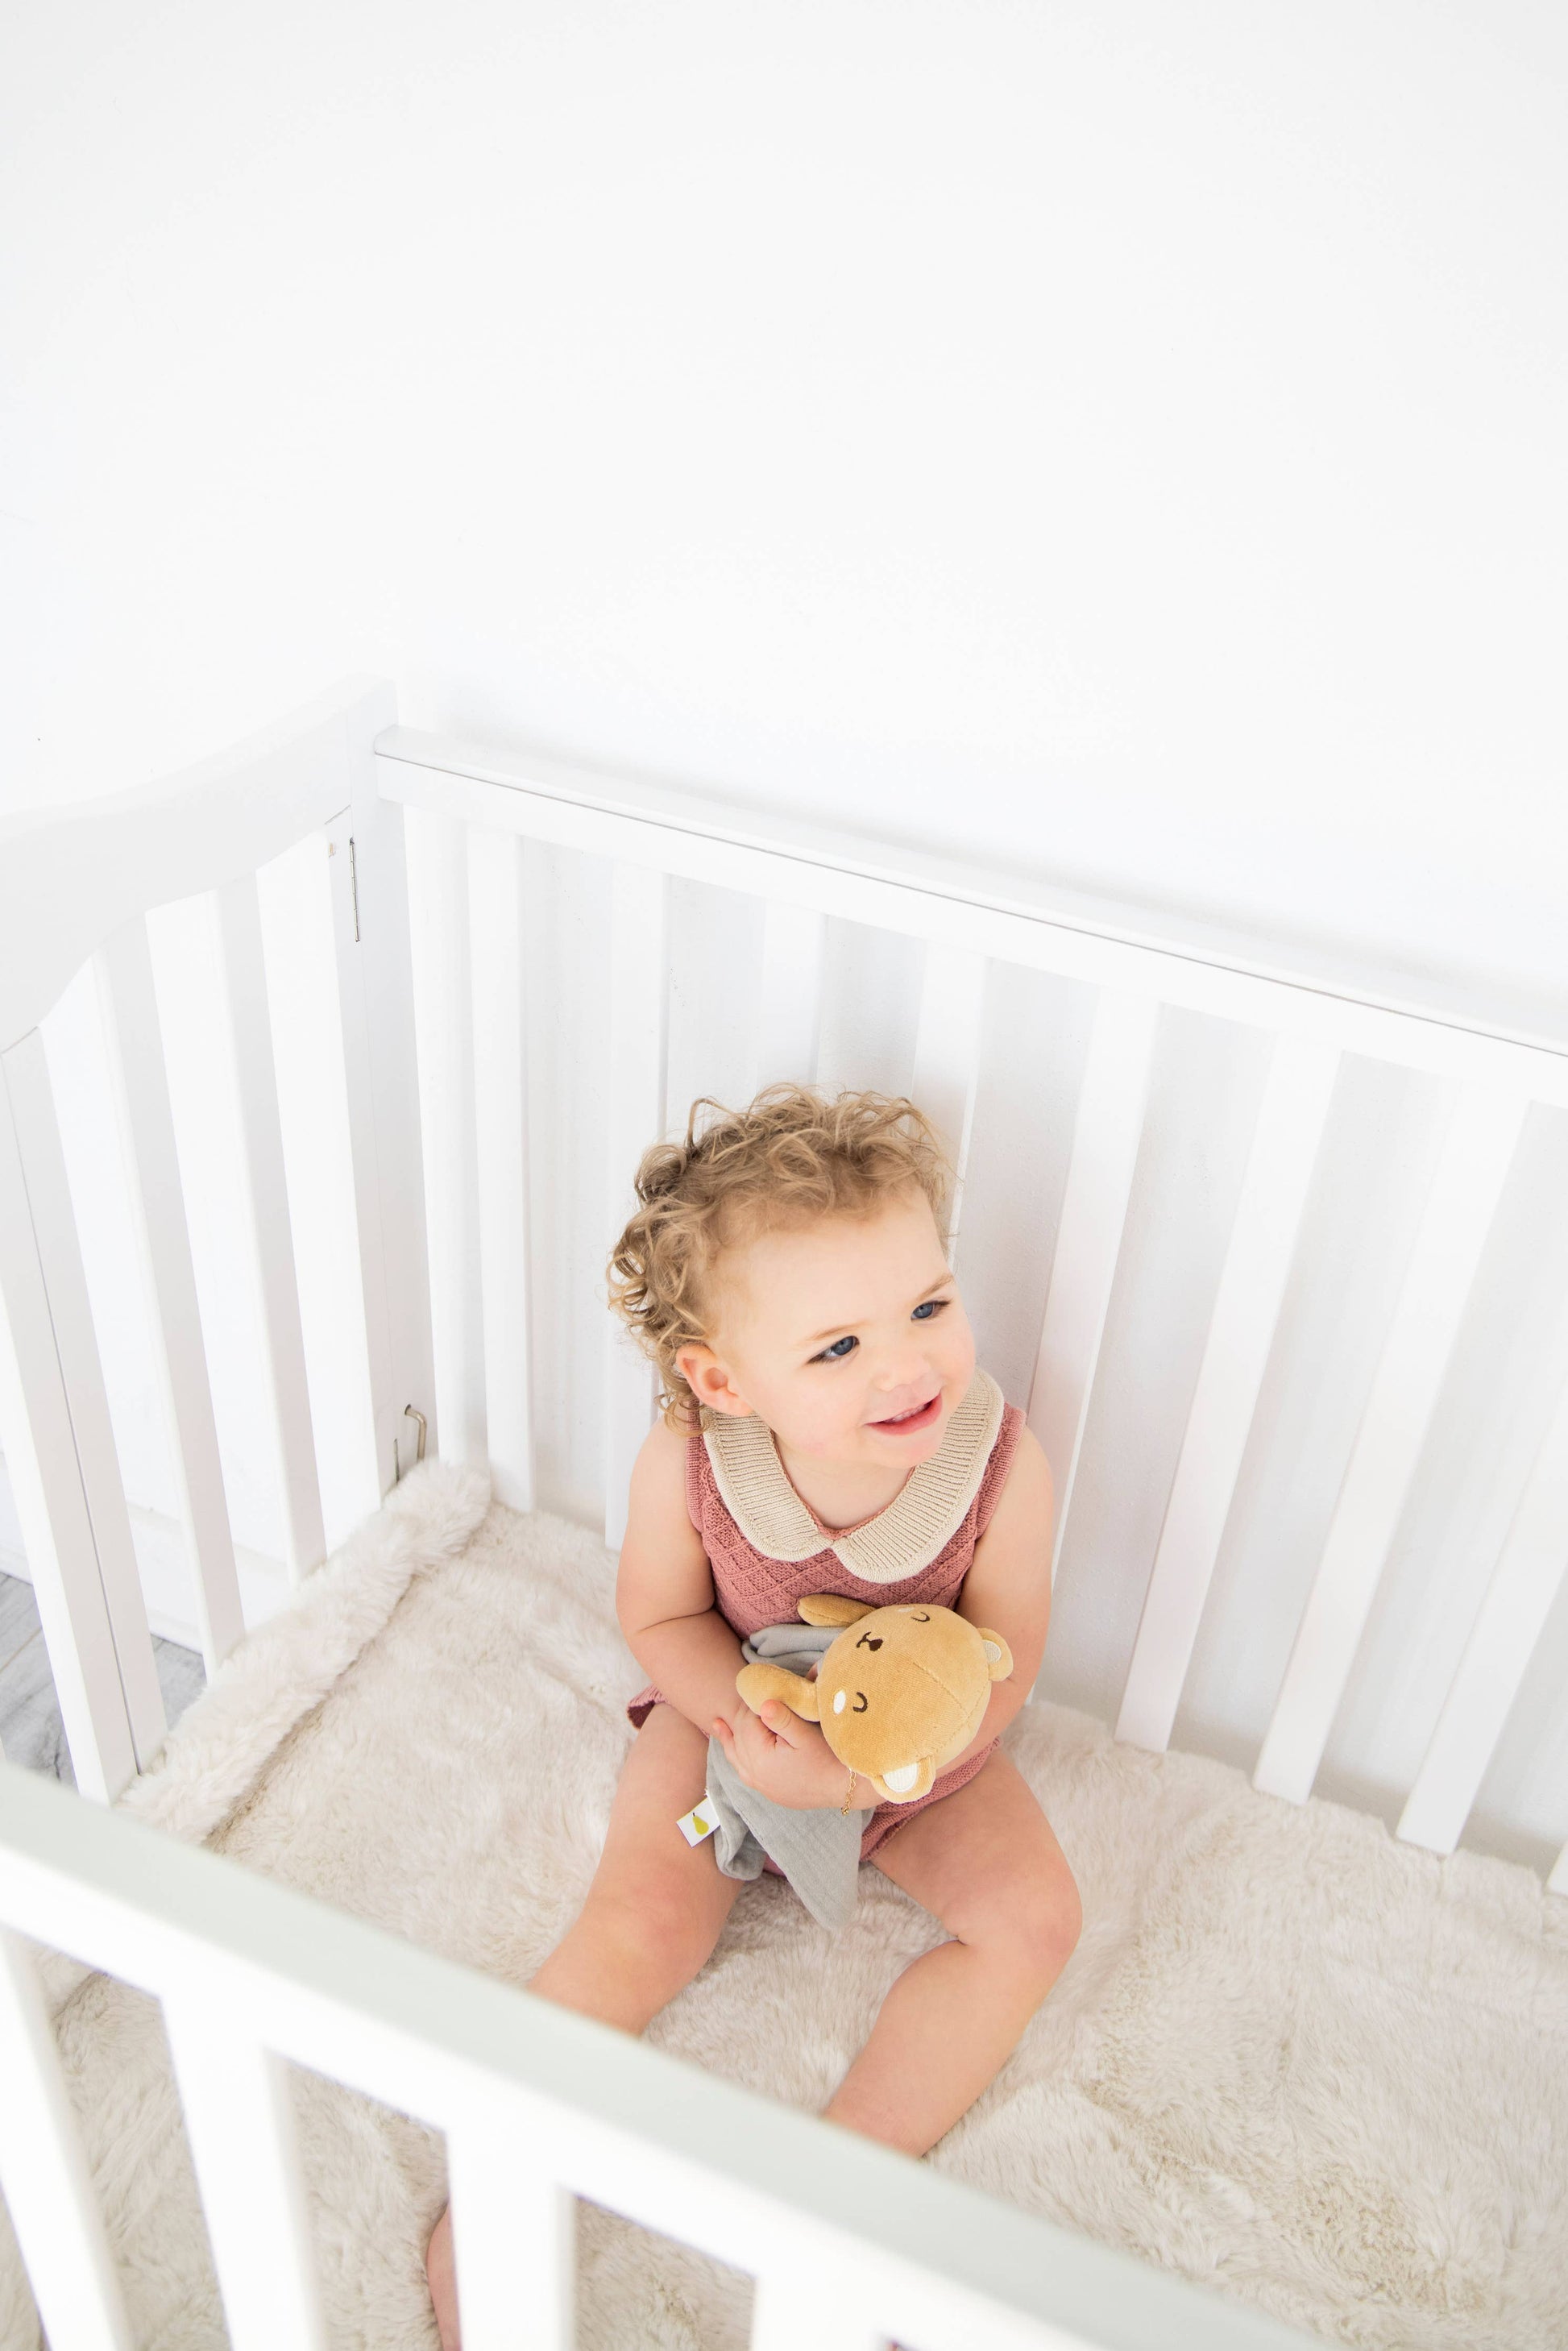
(784, 1758)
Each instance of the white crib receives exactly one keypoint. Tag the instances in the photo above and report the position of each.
(458, 1309)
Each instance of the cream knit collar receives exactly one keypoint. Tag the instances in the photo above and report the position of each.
(900, 1540)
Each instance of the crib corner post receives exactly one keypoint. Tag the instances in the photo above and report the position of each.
(370, 919)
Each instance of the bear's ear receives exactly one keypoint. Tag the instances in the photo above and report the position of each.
(758, 1684)
(998, 1656)
(827, 1608)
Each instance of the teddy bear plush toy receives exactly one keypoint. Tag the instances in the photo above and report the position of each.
(898, 1695)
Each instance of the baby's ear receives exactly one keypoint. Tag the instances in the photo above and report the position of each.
(998, 1656)
(708, 1380)
(827, 1608)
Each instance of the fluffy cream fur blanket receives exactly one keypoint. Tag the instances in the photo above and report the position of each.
(1290, 2058)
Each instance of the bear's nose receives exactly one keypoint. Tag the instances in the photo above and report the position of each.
(866, 1642)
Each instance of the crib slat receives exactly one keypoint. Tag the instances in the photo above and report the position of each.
(947, 1058)
(777, 2318)
(371, 1471)
(789, 1020)
(239, 2120)
(123, 966)
(444, 1019)
(1291, 1120)
(376, 991)
(59, 1449)
(1525, 1584)
(638, 994)
(514, 2240)
(261, 1129)
(374, 1193)
(1478, 1149)
(44, 2174)
(1558, 1881)
(495, 922)
(1106, 1139)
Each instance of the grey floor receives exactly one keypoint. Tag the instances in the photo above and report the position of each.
(31, 1731)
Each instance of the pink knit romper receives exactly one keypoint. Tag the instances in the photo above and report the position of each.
(754, 1587)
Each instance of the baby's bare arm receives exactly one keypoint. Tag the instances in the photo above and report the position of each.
(664, 1591)
(1008, 1586)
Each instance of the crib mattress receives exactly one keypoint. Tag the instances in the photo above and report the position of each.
(1290, 2059)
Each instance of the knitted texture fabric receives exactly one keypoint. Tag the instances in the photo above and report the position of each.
(895, 1542)
(754, 1587)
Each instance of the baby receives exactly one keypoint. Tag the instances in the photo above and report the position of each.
(824, 1429)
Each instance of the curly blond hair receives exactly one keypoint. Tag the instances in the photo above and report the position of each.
(793, 1154)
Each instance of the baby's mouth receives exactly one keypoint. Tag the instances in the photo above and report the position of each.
(906, 1424)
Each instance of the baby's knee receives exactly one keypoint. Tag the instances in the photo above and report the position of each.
(657, 1938)
(1035, 1932)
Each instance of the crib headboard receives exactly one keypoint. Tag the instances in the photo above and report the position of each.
(1287, 1530)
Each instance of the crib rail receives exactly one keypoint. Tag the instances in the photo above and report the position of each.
(70, 881)
(1426, 1022)
(538, 2105)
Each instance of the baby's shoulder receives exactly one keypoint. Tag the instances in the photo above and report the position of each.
(1028, 1459)
(659, 1475)
(1020, 1488)
(665, 1441)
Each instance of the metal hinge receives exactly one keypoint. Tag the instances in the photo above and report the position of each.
(410, 1413)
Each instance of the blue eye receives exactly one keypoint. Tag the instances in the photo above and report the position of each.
(836, 1353)
(927, 1308)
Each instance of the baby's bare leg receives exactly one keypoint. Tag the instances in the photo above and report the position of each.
(985, 1861)
(651, 1916)
(656, 1905)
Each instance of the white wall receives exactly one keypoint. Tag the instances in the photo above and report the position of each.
(1123, 436)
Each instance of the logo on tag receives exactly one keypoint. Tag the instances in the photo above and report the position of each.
(699, 1822)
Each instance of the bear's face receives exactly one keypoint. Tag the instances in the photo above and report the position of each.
(902, 1691)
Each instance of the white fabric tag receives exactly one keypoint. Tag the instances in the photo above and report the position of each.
(699, 1822)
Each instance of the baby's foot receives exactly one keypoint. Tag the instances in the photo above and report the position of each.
(442, 2272)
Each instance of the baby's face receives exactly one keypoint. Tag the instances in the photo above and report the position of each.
(846, 1336)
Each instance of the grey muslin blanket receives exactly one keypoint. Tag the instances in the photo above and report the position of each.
(818, 1850)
